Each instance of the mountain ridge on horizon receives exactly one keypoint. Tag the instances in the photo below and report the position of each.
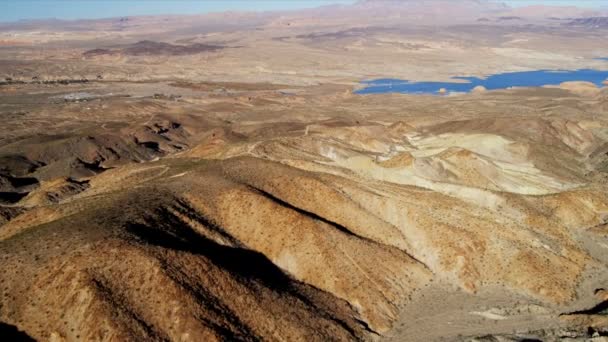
(491, 5)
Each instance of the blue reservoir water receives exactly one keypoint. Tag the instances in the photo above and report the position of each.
(535, 78)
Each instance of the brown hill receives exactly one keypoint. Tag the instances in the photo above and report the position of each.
(152, 48)
(315, 229)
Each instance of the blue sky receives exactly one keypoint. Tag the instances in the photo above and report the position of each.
(12, 10)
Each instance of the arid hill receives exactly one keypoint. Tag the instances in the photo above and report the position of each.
(159, 183)
(151, 48)
(188, 222)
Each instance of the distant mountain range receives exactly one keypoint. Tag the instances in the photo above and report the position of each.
(591, 22)
(362, 13)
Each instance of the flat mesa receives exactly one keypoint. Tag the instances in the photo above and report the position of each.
(537, 78)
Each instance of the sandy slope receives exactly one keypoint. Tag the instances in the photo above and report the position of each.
(214, 177)
(271, 224)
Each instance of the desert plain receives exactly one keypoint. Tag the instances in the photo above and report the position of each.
(218, 177)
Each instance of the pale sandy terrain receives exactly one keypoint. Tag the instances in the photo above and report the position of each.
(341, 45)
(228, 184)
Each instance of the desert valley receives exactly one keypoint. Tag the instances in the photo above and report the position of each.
(231, 176)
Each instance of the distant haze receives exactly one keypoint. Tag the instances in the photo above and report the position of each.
(13, 10)
(578, 3)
